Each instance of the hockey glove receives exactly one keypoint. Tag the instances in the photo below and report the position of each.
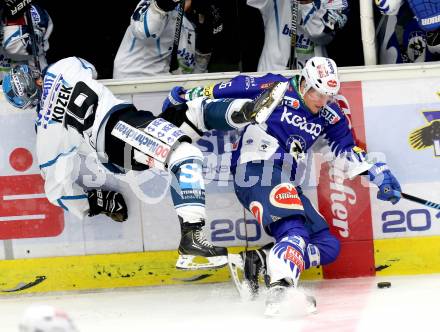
(433, 40)
(208, 21)
(167, 5)
(174, 99)
(334, 19)
(110, 203)
(389, 187)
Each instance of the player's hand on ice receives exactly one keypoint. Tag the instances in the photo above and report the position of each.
(389, 187)
(174, 98)
(110, 203)
(167, 5)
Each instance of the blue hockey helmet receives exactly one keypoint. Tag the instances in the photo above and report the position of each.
(20, 88)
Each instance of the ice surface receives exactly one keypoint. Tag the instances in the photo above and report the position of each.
(411, 304)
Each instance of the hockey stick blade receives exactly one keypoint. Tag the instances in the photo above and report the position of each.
(421, 201)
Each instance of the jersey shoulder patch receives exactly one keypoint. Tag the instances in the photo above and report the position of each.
(331, 113)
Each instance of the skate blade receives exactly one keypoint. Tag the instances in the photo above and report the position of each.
(275, 98)
(295, 304)
(186, 262)
(236, 267)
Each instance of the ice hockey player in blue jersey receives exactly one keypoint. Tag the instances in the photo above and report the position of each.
(265, 166)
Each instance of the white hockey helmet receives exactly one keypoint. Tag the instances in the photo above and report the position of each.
(320, 74)
(45, 318)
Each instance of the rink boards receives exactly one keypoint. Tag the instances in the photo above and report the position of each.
(44, 249)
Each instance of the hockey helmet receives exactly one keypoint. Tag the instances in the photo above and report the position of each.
(321, 74)
(45, 318)
(20, 88)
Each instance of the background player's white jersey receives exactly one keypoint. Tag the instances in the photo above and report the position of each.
(72, 111)
(146, 47)
(311, 37)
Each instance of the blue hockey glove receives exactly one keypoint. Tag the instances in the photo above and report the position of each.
(173, 98)
(389, 187)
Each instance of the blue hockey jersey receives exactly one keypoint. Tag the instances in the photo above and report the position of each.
(291, 130)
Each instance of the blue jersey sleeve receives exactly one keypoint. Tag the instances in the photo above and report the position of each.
(339, 134)
(242, 86)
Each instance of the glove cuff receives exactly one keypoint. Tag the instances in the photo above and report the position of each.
(95, 202)
(174, 96)
(375, 173)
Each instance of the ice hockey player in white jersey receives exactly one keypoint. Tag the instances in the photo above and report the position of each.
(45, 318)
(16, 41)
(147, 44)
(77, 115)
(317, 23)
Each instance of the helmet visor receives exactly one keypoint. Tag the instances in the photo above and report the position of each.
(317, 96)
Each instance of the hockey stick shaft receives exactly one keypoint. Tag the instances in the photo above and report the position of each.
(174, 64)
(294, 22)
(33, 38)
(421, 201)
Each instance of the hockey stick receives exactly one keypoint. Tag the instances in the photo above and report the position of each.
(33, 38)
(292, 60)
(421, 201)
(174, 64)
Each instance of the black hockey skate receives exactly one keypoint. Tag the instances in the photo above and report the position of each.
(194, 244)
(252, 263)
(259, 110)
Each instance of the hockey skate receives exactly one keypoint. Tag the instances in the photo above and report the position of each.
(194, 244)
(262, 107)
(283, 299)
(246, 269)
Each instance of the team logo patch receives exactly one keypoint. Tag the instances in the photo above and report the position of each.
(322, 71)
(285, 196)
(266, 85)
(329, 114)
(332, 83)
(291, 102)
(209, 91)
(295, 257)
(257, 210)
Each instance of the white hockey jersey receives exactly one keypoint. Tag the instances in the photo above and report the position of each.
(73, 109)
(146, 47)
(16, 42)
(311, 35)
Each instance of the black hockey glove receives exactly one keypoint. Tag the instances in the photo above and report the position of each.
(167, 5)
(110, 203)
(208, 20)
(15, 8)
(433, 40)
